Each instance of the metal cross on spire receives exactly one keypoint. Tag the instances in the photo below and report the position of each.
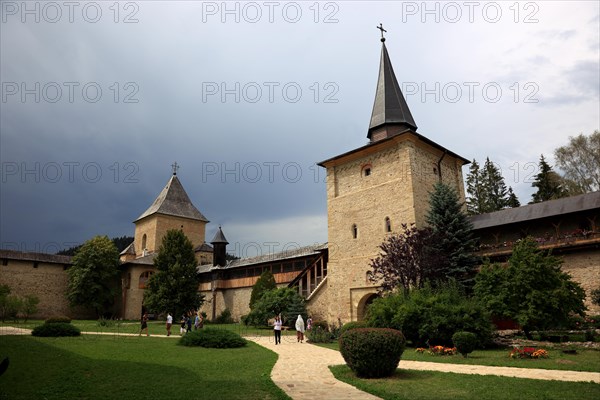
(380, 27)
(175, 167)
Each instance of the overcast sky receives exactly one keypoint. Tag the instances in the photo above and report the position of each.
(100, 98)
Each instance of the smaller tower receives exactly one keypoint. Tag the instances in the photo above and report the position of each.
(219, 247)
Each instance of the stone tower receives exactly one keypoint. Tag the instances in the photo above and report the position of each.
(172, 209)
(374, 189)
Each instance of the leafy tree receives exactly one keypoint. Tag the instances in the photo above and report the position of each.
(120, 242)
(454, 235)
(532, 289)
(284, 301)
(9, 305)
(29, 306)
(93, 275)
(595, 295)
(580, 161)
(174, 286)
(406, 260)
(266, 281)
(548, 183)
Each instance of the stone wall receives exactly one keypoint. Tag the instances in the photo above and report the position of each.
(584, 267)
(156, 226)
(132, 294)
(47, 281)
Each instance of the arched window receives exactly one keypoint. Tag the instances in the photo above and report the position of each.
(143, 242)
(144, 276)
(388, 224)
(366, 170)
(354, 231)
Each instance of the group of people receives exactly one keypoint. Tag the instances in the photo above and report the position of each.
(300, 328)
(186, 322)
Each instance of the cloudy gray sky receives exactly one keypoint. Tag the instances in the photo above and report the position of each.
(100, 98)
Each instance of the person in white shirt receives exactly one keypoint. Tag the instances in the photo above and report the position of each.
(277, 329)
(169, 323)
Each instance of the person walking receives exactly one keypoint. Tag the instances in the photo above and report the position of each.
(197, 322)
(144, 324)
(189, 323)
(309, 324)
(277, 329)
(169, 323)
(300, 329)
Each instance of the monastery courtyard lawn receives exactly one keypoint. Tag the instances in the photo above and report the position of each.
(132, 367)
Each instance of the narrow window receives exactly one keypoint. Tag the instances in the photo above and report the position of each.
(143, 242)
(354, 231)
(388, 224)
(366, 170)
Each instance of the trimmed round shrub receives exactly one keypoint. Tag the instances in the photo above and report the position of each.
(465, 342)
(353, 325)
(372, 352)
(58, 318)
(212, 338)
(56, 329)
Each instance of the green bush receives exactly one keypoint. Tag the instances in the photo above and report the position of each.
(429, 317)
(321, 324)
(56, 329)
(319, 335)
(372, 352)
(465, 342)
(212, 338)
(353, 325)
(224, 317)
(59, 319)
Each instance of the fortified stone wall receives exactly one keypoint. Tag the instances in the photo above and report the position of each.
(47, 281)
(584, 267)
(156, 226)
(133, 295)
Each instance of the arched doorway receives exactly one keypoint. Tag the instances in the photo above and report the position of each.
(363, 304)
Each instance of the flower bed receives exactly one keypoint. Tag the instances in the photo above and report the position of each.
(437, 351)
(528, 352)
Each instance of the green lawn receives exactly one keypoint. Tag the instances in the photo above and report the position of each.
(117, 367)
(585, 359)
(426, 385)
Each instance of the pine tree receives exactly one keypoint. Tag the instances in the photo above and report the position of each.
(455, 235)
(548, 184)
(494, 187)
(513, 201)
(475, 195)
(174, 287)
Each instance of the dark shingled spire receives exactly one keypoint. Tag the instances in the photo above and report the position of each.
(173, 200)
(219, 237)
(390, 107)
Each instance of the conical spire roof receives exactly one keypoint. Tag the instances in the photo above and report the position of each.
(390, 106)
(219, 237)
(173, 200)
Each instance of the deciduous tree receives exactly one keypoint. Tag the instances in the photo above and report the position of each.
(532, 289)
(266, 281)
(174, 287)
(580, 161)
(93, 275)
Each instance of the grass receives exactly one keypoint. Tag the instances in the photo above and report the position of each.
(426, 385)
(117, 367)
(585, 360)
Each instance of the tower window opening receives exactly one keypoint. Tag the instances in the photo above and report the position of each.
(354, 231)
(366, 170)
(388, 224)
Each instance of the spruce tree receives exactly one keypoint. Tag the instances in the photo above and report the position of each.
(513, 201)
(475, 195)
(494, 187)
(174, 287)
(548, 184)
(455, 235)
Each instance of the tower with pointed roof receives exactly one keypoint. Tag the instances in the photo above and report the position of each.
(374, 189)
(172, 209)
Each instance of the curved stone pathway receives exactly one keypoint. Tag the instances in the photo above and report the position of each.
(302, 369)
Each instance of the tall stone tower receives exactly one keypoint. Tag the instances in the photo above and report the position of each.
(172, 209)
(374, 189)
